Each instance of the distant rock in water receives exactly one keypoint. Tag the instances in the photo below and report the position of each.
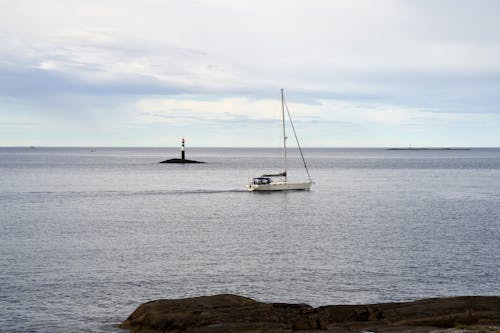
(180, 160)
(236, 314)
(183, 159)
(429, 148)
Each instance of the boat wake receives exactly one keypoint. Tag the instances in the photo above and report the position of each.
(90, 194)
(181, 192)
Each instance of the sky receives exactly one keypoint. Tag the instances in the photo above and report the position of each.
(385, 73)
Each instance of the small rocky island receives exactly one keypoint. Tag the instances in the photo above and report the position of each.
(183, 159)
(428, 148)
(180, 160)
(237, 314)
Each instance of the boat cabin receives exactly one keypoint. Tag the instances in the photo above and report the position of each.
(262, 181)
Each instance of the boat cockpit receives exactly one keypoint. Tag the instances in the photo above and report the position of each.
(262, 181)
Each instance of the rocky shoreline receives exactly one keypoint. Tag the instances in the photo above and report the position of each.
(237, 314)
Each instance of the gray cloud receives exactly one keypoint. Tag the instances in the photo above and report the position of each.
(32, 81)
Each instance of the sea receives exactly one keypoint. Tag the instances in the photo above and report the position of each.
(88, 234)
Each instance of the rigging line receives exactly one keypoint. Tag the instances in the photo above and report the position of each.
(296, 139)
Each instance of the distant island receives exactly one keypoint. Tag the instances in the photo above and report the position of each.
(428, 148)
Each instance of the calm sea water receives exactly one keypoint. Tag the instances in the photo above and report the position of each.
(86, 235)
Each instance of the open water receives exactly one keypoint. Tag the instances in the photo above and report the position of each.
(86, 235)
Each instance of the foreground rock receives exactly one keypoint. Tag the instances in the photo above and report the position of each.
(236, 314)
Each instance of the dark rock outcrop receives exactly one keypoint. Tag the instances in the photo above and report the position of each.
(220, 313)
(236, 314)
(180, 160)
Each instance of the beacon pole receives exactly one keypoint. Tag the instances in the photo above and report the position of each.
(183, 153)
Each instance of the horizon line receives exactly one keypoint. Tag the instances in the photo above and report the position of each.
(258, 147)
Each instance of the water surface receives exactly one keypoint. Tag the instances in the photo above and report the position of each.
(86, 235)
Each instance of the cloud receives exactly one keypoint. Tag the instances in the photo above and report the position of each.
(267, 112)
(222, 63)
(224, 46)
(36, 82)
(17, 125)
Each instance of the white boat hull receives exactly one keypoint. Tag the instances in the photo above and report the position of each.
(280, 186)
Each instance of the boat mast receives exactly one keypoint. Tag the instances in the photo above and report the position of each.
(284, 132)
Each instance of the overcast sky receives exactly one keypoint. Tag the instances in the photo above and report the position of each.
(146, 73)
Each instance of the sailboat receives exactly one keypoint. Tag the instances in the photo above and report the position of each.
(279, 181)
